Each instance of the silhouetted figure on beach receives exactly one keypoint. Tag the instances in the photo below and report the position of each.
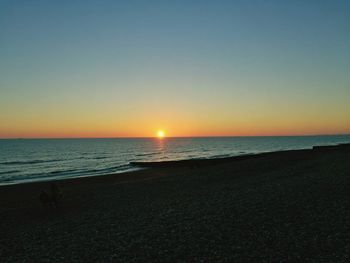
(50, 200)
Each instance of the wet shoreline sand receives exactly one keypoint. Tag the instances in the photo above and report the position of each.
(281, 206)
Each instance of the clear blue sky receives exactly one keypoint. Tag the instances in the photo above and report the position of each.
(128, 68)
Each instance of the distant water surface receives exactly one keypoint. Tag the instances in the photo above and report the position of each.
(26, 160)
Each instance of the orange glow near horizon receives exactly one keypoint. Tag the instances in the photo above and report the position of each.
(179, 129)
(206, 122)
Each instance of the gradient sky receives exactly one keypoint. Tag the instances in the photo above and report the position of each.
(193, 68)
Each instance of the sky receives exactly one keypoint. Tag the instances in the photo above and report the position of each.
(190, 68)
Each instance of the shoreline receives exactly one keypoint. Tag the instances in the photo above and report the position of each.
(189, 163)
(185, 163)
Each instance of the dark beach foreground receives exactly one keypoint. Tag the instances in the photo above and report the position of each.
(291, 206)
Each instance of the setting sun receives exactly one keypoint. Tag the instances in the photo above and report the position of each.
(160, 134)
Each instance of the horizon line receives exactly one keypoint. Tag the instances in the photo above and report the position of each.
(174, 137)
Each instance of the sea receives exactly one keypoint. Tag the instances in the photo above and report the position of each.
(29, 160)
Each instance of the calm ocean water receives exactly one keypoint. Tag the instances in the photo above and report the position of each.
(46, 159)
